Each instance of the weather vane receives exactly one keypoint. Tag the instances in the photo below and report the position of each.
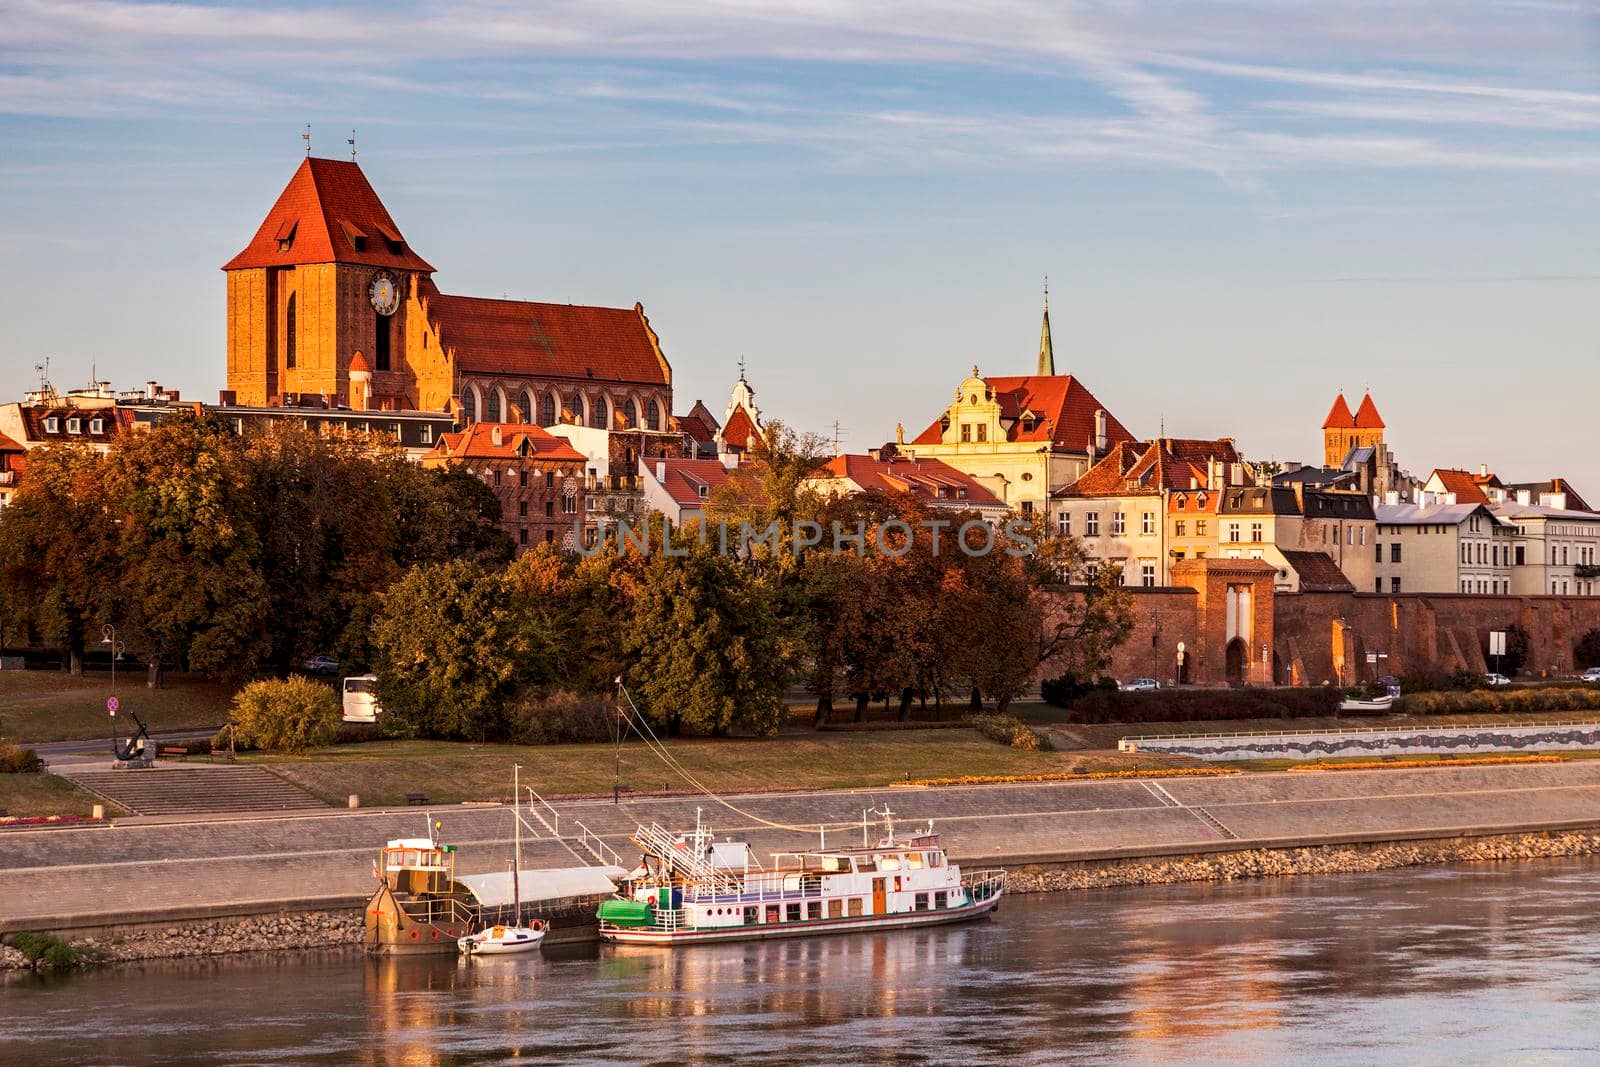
(306, 137)
(351, 141)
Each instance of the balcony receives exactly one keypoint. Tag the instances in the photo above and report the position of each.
(8, 477)
(1582, 570)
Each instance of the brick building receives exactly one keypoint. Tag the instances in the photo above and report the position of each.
(538, 478)
(329, 300)
(933, 482)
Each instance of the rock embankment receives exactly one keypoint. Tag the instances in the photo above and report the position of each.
(220, 937)
(1325, 859)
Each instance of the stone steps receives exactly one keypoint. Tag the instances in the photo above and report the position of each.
(196, 791)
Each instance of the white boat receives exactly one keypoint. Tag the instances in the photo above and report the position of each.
(1383, 703)
(691, 890)
(502, 939)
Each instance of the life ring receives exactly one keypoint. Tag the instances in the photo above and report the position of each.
(413, 935)
(538, 924)
(436, 935)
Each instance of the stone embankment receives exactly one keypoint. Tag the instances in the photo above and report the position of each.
(227, 937)
(1324, 859)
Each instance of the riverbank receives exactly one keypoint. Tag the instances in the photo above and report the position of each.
(343, 929)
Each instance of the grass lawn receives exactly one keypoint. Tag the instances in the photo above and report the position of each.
(46, 794)
(383, 772)
(40, 706)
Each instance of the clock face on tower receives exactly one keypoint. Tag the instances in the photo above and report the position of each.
(384, 293)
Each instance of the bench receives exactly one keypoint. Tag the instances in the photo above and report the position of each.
(175, 750)
(416, 798)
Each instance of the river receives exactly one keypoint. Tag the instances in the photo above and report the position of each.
(1477, 963)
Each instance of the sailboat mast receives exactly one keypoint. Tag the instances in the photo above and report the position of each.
(516, 848)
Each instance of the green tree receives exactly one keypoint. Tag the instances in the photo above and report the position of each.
(704, 638)
(1586, 653)
(452, 646)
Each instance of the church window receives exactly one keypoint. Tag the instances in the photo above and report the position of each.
(983, 431)
(491, 408)
(547, 410)
(966, 431)
(652, 415)
(600, 413)
(288, 333)
(469, 405)
(527, 406)
(631, 414)
(381, 325)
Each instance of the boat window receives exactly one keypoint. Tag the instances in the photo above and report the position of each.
(772, 913)
(922, 902)
(941, 899)
(835, 863)
(814, 909)
(888, 863)
(914, 861)
(935, 859)
(793, 914)
(750, 916)
(855, 906)
(835, 909)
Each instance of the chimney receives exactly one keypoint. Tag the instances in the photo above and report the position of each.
(1524, 497)
(152, 391)
(1237, 475)
(1483, 470)
(1100, 429)
(661, 471)
(873, 452)
(1392, 497)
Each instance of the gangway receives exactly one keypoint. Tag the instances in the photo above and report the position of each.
(587, 839)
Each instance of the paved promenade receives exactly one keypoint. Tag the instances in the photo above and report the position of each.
(153, 867)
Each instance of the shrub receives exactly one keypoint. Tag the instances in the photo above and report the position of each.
(561, 717)
(14, 759)
(1199, 705)
(1010, 730)
(291, 715)
(1503, 702)
(46, 948)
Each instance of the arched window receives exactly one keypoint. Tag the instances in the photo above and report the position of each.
(469, 404)
(288, 333)
(491, 412)
(631, 413)
(527, 406)
(600, 413)
(547, 410)
(652, 414)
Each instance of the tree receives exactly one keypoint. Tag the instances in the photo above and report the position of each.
(704, 638)
(1586, 653)
(452, 645)
(288, 715)
(1518, 645)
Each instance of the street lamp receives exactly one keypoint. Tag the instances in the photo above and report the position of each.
(1155, 644)
(108, 636)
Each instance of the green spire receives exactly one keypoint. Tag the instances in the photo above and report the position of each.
(1047, 356)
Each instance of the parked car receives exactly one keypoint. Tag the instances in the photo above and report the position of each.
(1494, 678)
(1592, 674)
(321, 665)
(1142, 685)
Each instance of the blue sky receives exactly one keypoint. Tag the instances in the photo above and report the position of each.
(1242, 206)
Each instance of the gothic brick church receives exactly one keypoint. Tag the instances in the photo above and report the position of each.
(330, 304)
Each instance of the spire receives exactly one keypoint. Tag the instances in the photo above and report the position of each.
(1367, 417)
(1047, 356)
(1339, 417)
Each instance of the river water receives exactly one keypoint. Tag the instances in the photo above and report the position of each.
(1468, 964)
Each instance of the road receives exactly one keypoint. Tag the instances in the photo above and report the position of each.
(181, 865)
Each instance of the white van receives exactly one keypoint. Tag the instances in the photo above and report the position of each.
(360, 703)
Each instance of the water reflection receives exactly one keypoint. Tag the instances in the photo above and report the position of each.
(1441, 965)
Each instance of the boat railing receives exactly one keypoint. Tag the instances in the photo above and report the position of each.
(1126, 743)
(984, 885)
(755, 888)
(436, 911)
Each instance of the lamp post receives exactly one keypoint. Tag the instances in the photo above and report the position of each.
(1155, 644)
(108, 636)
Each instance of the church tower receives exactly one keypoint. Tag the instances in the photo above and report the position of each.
(326, 280)
(1342, 431)
(1047, 355)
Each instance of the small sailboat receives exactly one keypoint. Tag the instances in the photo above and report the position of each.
(502, 938)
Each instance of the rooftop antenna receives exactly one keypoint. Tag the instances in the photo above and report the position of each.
(838, 436)
(306, 137)
(741, 368)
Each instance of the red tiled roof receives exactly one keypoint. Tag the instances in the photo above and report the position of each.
(112, 420)
(324, 207)
(547, 340)
(1367, 417)
(694, 426)
(1339, 417)
(8, 445)
(1318, 572)
(358, 363)
(1063, 409)
(685, 477)
(477, 442)
(740, 429)
(930, 480)
(1135, 467)
(1462, 484)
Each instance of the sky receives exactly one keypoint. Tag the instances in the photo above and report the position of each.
(1243, 206)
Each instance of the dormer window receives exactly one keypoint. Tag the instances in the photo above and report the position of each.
(52, 425)
(705, 491)
(1200, 500)
(391, 240)
(353, 234)
(97, 425)
(1183, 500)
(285, 234)
(74, 425)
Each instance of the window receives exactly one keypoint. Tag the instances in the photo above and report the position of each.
(814, 909)
(1394, 552)
(1394, 585)
(1179, 528)
(600, 413)
(289, 334)
(522, 535)
(549, 479)
(1379, 547)
(1119, 524)
(547, 410)
(1466, 586)
(491, 409)
(1091, 524)
(855, 906)
(381, 325)
(1377, 585)
(966, 432)
(941, 899)
(427, 434)
(1200, 501)
(97, 425)
(1064, 524)
(1255, 532)
(835, 909)
(920, 902)
(522, 479)
(630, 414)
(469, 405)
(1199, 529)
(1147, 575)
(652, 415)
(1148, 525)
(1091, 571)
(569, 502)
(549, 535)
(52, 424)
(549, 509)
(497, 477)
(1233, 531)
(983, 431)
(792, 913)
(527, 406)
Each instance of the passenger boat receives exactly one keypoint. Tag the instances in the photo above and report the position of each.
(690, 889)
